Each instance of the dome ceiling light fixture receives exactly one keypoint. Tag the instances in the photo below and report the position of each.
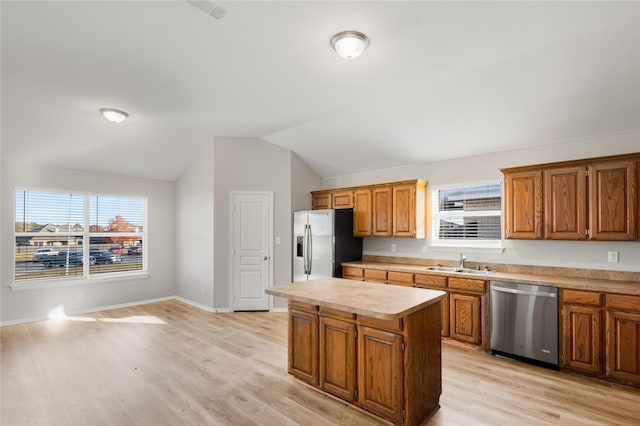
(349, 44)
(114, 115)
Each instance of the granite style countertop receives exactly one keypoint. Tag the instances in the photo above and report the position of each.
(609, 286)
(359, 297)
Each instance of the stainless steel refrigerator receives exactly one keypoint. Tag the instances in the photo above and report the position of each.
(322, 240)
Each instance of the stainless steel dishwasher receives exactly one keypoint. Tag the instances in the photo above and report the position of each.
(524, 322)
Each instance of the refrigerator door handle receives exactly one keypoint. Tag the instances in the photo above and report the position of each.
(310, 251)
(305, 258)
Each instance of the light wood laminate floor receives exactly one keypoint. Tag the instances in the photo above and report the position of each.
(171, 364)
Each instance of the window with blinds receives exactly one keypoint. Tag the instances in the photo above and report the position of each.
(76, 235)
(470, 213)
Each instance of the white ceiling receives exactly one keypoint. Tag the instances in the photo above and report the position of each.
(439, 80)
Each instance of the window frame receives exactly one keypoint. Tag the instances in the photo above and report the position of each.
(493, 246)
(86, 277)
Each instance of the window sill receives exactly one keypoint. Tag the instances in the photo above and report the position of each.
(41, 284)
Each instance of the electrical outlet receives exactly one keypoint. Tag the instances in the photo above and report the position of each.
(424, 248)
(393, 248)
(202, 289)
(613, 257)
(277, 240)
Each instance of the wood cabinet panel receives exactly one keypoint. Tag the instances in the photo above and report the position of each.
(342, 199)
(623, 346)
(465, 319)
(430, 281)
(580, 297)
(565, 200)
(320, 200)
(375, 275)
(381, 373)
(466, 284)
(613, 196)
(338, 357)
(523, 205)
(404, 210)
(362, 213)
(395, 325)
(382, 211)
(582, 338)
(303, 346)
(400, 278)
(623, 302)
(351, 273)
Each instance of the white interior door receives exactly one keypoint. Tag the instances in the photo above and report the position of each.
(252, 234)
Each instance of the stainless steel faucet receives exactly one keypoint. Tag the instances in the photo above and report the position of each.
(462, 259)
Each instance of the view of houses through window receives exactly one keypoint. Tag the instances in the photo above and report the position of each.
(467, 213)
(52, 230)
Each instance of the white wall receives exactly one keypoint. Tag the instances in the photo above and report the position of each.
(579, 254)
(195, 218)
(243, 165)
(303, 181)
(17, 305)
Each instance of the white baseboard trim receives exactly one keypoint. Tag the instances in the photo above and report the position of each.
(88, 311)
(285, 309)
(195, 304)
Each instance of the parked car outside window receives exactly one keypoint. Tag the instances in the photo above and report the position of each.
(104, 257)
(42, 253)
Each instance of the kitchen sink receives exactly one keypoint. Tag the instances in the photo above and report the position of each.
(452, 269)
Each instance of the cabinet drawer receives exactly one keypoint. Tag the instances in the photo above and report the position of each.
(352, 273)
(381, 324)
(467, 284)
(375, 275)
(305, 307)
(334, 313)
(400, 278)
(623, 302)
(579, 297)
(430, 281)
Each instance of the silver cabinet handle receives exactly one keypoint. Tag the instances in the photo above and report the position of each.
(516, 291)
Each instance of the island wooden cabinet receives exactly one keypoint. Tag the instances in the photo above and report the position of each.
(623, 338)
(338, 353)
(381, 372)
(303, 342)
(591, 199)
(581, 332)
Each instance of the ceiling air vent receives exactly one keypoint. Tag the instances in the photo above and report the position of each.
(210, 8)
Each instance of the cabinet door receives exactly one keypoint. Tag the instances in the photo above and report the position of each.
(320, 200)
(623, 346)
(338, 357)
(465, 318)
(523, 205)
(362, 213)
(404, 210)
(613, 201)
(303, 346)
(381, 373)
(342, 199)
(565, 201)
(582, 338)
(382, 211)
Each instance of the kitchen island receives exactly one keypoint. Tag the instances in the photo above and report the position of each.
(374, 346)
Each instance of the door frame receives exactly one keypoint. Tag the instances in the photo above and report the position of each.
(232, 271)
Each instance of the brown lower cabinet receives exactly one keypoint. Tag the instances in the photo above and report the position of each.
(373, 363)
(600, 335)
(465, 320)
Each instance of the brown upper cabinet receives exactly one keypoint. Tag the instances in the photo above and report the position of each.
(395, 209)
(593, 199)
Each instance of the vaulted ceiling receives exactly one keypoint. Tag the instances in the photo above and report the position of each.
(439, 80)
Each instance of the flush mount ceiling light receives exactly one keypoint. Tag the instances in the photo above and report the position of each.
(349, 44)
(114, 115)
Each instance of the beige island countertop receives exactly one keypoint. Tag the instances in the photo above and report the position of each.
(358, 297)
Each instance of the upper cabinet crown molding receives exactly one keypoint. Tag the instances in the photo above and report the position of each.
(590, 199)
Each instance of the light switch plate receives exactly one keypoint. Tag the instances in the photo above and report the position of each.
(613, 257)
